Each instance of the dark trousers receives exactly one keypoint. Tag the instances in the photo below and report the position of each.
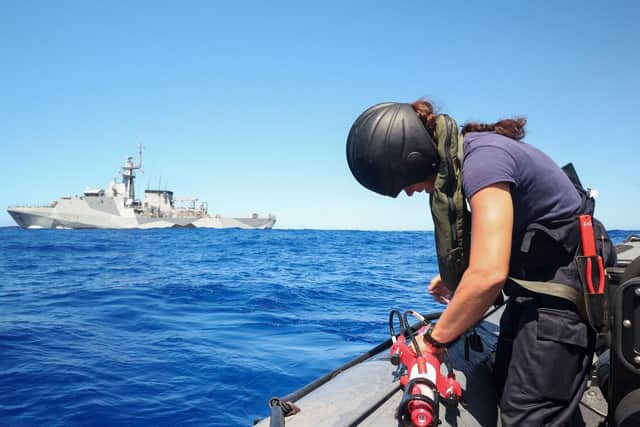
(542, 362)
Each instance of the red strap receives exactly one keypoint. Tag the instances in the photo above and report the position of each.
(589, 250)
(600, 289)
(586, 234)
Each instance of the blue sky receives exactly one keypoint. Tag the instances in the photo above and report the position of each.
(248, 104)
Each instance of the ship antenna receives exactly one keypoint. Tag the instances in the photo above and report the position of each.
(140, 147)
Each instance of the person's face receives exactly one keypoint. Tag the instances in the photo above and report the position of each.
(419, 187)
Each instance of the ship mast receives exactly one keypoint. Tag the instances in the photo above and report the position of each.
(128, 176)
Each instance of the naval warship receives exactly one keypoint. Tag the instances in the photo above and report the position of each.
(117, 207)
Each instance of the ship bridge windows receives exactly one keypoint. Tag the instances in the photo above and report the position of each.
(94, 193)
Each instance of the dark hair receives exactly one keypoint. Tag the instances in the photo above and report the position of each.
(424, 110)
(511, 128)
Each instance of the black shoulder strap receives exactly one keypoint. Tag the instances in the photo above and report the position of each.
(572, 174)
(588, 203)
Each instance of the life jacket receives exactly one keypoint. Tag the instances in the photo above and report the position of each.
(451, 218)
(542, 257)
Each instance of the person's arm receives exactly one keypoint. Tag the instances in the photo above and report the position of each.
(491, 228)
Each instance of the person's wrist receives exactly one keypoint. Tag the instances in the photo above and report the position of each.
(430, 348)
(431, 341)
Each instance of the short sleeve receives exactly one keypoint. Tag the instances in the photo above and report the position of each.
(485, 165)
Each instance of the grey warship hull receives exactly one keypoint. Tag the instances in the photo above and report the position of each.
(47, 217)
(117, 207)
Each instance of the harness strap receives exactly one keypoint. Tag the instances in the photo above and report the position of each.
(557, 290)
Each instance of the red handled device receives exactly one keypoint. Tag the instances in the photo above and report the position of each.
(589, 252)
(424, 382)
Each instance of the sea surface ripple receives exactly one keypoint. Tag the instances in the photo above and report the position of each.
(191, 327)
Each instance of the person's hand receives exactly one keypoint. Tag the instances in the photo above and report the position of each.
(439, 290)
(426, 347)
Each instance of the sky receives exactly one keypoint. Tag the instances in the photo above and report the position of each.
(247, 105)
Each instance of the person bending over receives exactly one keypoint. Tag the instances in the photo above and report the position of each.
(523, 229)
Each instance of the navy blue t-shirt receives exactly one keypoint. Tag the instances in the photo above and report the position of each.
(540, 190)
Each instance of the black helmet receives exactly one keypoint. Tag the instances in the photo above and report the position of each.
(388, 149)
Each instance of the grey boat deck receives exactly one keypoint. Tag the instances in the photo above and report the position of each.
(368, 394)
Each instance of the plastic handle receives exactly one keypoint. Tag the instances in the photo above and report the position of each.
(586, 234)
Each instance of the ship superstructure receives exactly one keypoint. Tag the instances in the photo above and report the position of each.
(117, 207)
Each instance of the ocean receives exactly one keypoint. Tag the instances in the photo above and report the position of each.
(192, 327)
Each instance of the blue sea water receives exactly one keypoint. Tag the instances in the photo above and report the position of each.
(191, 326)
